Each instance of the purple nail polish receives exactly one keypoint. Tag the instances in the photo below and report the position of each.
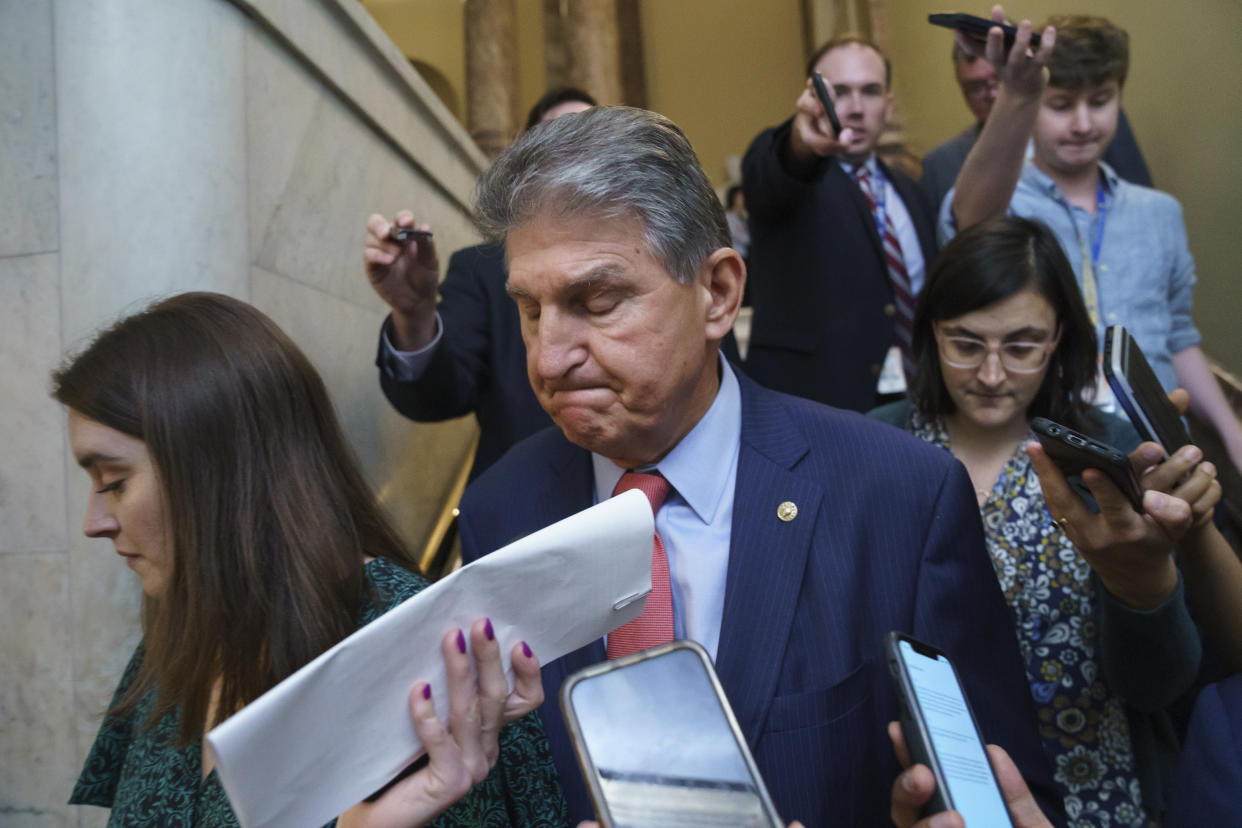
(526, 650)
(427, 692)
(488, 631)
(461, 642)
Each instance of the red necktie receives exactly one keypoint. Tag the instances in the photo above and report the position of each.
(655, 625)
(895, 262)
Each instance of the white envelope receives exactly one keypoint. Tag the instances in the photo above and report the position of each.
(339, 728)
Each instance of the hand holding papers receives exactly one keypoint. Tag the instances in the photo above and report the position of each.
(339, 728)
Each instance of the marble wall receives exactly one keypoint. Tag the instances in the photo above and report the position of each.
(151, 148)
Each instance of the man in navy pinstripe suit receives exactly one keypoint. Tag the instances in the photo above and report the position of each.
(797, 535)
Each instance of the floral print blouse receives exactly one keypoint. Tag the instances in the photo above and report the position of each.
(1052, 596)
(147, 780)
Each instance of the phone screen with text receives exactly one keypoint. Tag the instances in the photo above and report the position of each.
(959, 752)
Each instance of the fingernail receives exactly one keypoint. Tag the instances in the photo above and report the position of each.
(907, 781)
(1191, 454)
(1153, 453)
(488, 631)
(461, 642)
(427, 692)
(1208, 468)
(526, 650)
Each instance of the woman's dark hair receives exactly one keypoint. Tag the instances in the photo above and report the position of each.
(731, 195)
(553, 98)
(986, 264)
(269, 516)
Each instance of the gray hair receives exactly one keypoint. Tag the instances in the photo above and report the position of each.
(609, 162)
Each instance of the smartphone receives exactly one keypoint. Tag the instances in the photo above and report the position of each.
(978, 27)
(941, 732)
(659, 746)
(821, 92)
(1141, 395)
(1073, 452)
(404, 234)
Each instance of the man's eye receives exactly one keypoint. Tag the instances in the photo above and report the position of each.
(601, 305)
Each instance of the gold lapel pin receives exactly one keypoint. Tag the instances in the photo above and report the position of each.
(787, 511)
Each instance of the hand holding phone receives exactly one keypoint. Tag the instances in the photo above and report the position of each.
(658, 744)
(1073, 453)
(977, 28)
(941, 732)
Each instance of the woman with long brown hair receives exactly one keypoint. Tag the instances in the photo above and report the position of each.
(223, 479)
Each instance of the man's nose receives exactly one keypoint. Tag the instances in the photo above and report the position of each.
(849, 103)
(99, 521)
(1081, 117)
(556, 345)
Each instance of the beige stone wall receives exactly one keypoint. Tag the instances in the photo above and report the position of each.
(151, 148)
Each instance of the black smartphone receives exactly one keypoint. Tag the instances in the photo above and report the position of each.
(1141, 395)
(978, 27)
(941, 732)
(1074, 452)
(404, 234)
(659, 746)
(821, 92)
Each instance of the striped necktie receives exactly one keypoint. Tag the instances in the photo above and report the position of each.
(903, 295)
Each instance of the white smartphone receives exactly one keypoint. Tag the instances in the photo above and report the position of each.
(941, 732)
(659, 746)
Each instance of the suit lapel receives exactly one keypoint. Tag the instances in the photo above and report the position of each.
(767, 555)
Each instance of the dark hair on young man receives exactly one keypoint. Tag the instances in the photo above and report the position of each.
(731, 195)
(845, 40)
(1089, 51)
(267, 512)
(553, 98)
(986, 264)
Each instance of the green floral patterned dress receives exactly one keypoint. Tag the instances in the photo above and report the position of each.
(148, 781)
(1051, 595)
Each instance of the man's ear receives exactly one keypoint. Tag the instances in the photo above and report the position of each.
(723, 275)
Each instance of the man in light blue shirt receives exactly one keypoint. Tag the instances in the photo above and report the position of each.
(1127, 243)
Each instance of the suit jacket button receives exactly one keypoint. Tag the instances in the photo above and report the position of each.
(890, 310)
(787, 511)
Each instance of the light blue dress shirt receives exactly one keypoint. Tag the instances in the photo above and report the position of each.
(1145, 277)
(696, 519)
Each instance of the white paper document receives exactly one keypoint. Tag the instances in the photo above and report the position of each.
(339, 728)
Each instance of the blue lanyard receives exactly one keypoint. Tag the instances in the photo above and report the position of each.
(1101, 215)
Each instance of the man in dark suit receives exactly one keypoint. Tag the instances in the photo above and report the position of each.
(465, 355)
(790, 537)
(834, 268)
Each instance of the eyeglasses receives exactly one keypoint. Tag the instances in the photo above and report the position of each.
(1017, 357)
(979, 87)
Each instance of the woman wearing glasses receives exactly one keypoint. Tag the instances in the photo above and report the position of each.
(1001, 335)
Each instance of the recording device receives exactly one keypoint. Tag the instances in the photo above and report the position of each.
(821, 92)
(404, 234)
(1141, 395)
(977, 28)
(1073, 453)
(659, 746)
(941, 732)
